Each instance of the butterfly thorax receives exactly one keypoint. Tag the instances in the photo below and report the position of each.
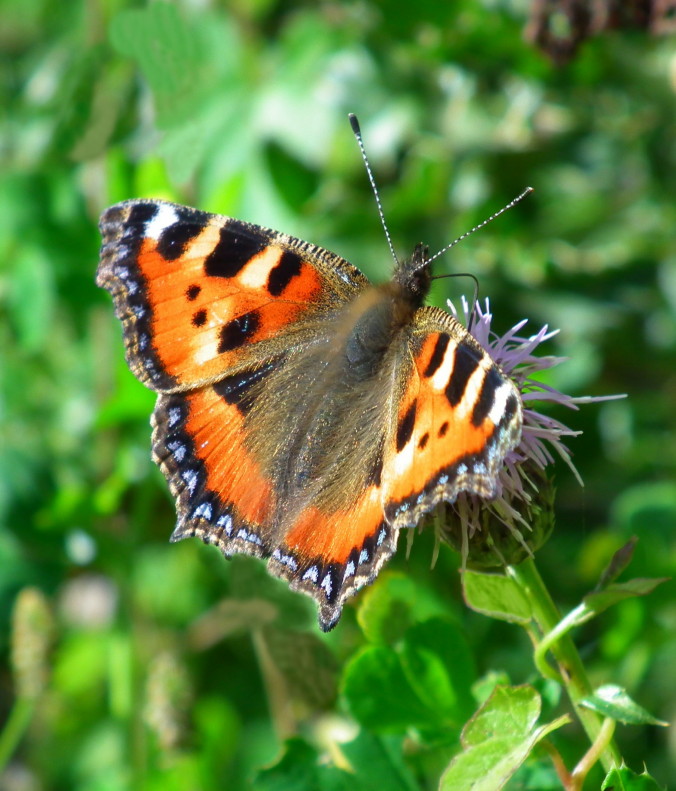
(375, 319)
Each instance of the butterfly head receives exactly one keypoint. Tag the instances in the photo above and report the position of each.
(413, 275)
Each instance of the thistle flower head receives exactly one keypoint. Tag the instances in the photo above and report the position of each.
(520, 518)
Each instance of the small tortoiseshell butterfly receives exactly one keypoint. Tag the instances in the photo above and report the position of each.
(304, 415)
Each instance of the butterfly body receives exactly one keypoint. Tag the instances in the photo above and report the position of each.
(304, 415)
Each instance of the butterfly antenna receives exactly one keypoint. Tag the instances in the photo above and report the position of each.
(357, 133)
(480, 225)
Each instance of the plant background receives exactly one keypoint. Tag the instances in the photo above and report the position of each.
(161, 653)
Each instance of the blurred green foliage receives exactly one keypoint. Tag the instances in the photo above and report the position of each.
(173, 669)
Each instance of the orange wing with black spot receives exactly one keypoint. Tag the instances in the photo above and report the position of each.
(210, 306)
(457, 418)
(199, 293)
(224, 498)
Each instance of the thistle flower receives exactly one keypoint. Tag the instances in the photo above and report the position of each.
(520, 518)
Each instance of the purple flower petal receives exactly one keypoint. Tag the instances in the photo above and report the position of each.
(542, 436)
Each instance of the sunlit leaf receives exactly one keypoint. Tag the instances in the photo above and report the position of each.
(496, 595)
(598, 601)
(613, 701)
(497, 740)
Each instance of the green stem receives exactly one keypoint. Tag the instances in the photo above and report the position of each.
(19, 719)
(572, 671)
(281, 707)
(554, 636)
(595, 752)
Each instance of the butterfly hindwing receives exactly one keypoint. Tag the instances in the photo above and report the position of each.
(199, 443)
(457, 418)
(224, 498)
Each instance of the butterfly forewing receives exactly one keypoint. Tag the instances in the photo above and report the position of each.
(199, 294)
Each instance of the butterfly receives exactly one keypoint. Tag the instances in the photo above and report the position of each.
(303, 415)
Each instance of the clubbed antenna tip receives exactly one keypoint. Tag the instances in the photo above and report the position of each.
(357, 133)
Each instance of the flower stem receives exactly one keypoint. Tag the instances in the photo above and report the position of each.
(559, 766)
(14, 729)
(281, 708)
(572, 671)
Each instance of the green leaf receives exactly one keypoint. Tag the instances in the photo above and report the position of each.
(378, 763)
(497, 596)
(623, 779)
(597, 602)
(483, 687)
(424, 683)
(618, 563)
(388, 609)
(509, 711)
(299, 769)
(378, 693)
(497, 740)
(438, 665)
(614, 702)
(201, 90)
(170, 54)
